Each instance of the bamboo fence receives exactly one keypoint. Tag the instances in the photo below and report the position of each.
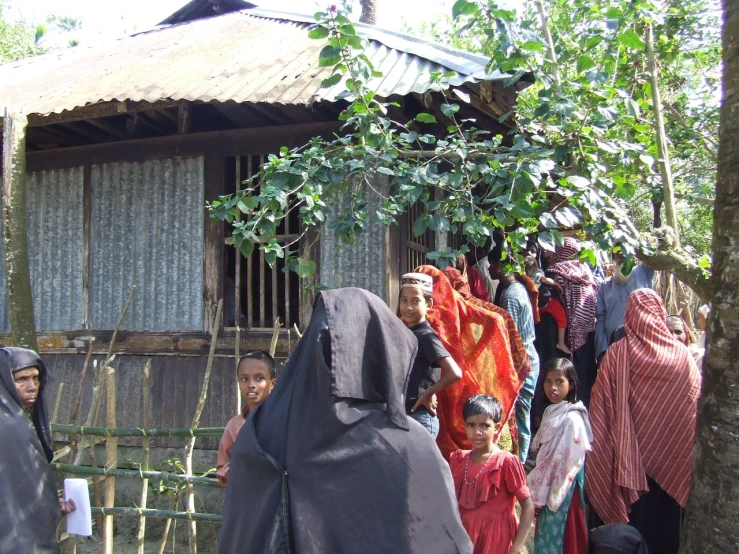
(84, 438)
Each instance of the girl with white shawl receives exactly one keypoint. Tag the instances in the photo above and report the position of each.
(556, 483)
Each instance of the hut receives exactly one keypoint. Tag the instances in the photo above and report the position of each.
(129, 139)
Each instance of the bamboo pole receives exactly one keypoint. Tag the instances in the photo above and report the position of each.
(170, 514)
(663, 149)
(120, 321)
(97, 393)
(237, 289)
(111, 458)
(297, 331)
(57, 403)
(136, 474)
(141, 533)
(108, 432)
(78, 400)
(275, 337)
(168, 523)
(192, 526)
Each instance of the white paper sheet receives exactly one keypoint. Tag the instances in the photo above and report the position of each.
(79, 522)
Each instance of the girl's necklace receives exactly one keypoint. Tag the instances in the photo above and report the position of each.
(467, 467)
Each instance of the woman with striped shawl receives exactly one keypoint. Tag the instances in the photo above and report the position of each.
(643, 412)
(578, 293)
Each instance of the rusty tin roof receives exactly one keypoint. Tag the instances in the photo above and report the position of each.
(253, 55)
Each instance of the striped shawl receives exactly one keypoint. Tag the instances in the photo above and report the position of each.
(643, 413)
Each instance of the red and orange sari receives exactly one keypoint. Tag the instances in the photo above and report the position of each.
(477, 336)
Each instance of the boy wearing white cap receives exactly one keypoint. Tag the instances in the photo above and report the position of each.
(416, 297)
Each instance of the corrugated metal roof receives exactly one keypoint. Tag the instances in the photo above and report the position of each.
(247, 56)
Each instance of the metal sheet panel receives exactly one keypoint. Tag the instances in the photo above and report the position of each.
(247, 56)
(55, 226)
(363, 263)
(147, 230)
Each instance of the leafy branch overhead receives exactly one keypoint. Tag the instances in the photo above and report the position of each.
(569, 164)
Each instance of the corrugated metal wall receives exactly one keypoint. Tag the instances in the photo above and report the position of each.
(147, 230)
(362, 264)
(55, 251)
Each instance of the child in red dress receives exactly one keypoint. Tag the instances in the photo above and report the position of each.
(488, 481)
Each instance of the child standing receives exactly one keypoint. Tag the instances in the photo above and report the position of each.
(416, 297)
(556, 483)
(256, 375)
(488, 481)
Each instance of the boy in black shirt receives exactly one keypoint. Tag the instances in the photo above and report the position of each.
(424, 382)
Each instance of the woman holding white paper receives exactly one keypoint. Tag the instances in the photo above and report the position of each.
(32, 508)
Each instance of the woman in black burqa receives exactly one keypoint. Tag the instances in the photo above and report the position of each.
(330, 463)
(31, 509)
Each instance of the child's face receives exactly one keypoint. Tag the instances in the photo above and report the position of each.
(556, 386)
(413, 306)
(254, 381)
(677, 328)
(480, 430)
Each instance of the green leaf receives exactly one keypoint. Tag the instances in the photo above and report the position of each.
(578, 181)
(548, 220)
(631, 40)
(420, 225)
(318, 32)
(329, 56)
(385, 170)
(246, 247)
(463, 7)
(425, 118)
(331, 81)
(533, 46)
(449, 109)
(632, 107)
(584, 63)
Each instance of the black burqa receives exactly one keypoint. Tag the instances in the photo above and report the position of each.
(31, 511)
(330, 463)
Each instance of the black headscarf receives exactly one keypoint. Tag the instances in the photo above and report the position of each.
(330, 462)
(27, 484)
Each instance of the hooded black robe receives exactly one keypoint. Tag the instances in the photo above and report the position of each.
(330, 463)
(31, 512)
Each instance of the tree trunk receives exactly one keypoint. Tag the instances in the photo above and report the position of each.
(17, 276)
(710, 525)
(369, 12)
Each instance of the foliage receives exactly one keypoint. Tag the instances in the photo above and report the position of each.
(601, 66)
(18, 40)
(584, 141)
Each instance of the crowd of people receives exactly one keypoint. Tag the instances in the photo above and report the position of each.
(605, 428)
(419, 431)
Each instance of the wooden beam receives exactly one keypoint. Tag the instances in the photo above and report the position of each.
(95, 111)
(183, 118)
(263, 139)
(109, 128)
(165, 113)
(235, 113)
(213, 238)
(271, 114)
(91, 135)
(68, 136)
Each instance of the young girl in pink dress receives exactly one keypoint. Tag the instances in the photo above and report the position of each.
(488, 481)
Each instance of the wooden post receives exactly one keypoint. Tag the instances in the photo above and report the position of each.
(141, 534)
(111, 458)
(192, 525)
(237, 291)
(17, 275)
(275, 337)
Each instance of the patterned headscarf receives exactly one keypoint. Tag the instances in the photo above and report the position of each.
(643, 411)
(579, 289)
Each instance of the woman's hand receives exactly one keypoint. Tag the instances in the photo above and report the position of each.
(67, 506)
